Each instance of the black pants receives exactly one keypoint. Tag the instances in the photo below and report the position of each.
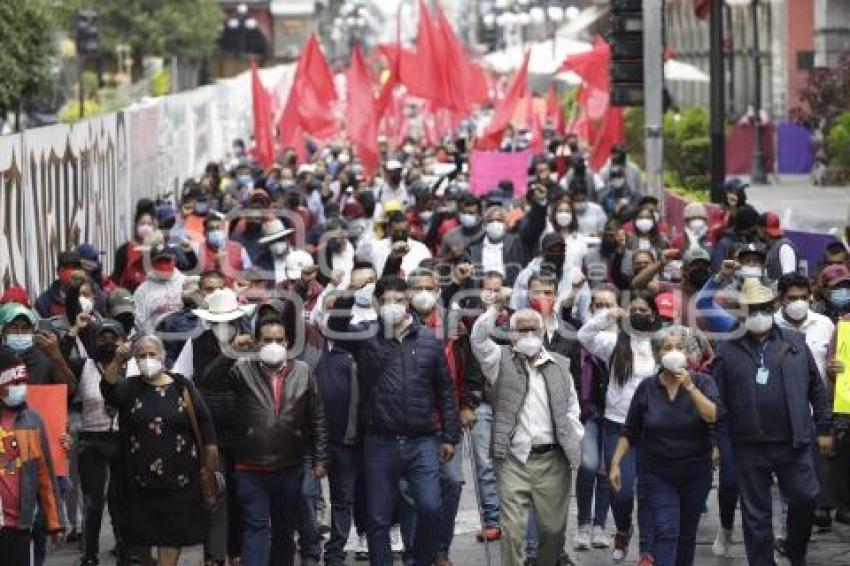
(99, 469)
(15, 546)
(756, 466)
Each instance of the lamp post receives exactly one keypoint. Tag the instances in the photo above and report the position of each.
(759, 176)
(242, 23)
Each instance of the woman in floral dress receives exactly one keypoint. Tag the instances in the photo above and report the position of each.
(160, 487)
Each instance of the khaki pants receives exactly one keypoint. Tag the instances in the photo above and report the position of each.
(545, 480)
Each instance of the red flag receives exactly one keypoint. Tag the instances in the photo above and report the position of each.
(421, 74)
(536, 145)
(361, 123)
(592, 66)
(611, 132)
(492, 136)
(554, 111)
(702, 8)
(263, 142)
(308, 108)
(465, 81)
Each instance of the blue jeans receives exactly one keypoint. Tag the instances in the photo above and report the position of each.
(487, 489)
(342, 475)
(389, 459)
(675, 494)
(623, 501)
(727, 490)
(268, 502)
(451, 483)
(592, 477)
(795, 470)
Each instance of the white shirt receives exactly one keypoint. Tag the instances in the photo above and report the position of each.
(818, 330)
(279, 268)
(491, 256)
(417, 253)
(344, 262)
(534, 422)
(592, 221)
(94, 416)
(596, 336)
(787, 259)
(155, 298)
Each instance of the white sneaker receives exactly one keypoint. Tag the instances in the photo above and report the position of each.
(598, 538)
(722, 543)
(582, 541)
(361, 551)
(396, 543)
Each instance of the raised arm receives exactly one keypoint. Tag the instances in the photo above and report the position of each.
(593, 335)
(486, 351)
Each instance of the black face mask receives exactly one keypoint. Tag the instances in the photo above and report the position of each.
(104, 353)
(127, 320)
(399, 236)
(553, 265)
(641, 322)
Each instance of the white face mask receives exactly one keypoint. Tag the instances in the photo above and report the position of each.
(363, 295)
(16, 395)
(149, 367)
(797, 310)
(496, 230)
(279, 248)
(392, 314)
(424, 301)
(644, 224)
(86, 305)
(529, 345)
(273, 354)
(758, 323)
(563, 219)
(698, 227)
(674, 360)
(750, 271)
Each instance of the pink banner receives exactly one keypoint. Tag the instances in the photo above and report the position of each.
(487, 168)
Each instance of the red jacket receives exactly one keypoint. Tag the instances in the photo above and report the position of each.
(213, 259)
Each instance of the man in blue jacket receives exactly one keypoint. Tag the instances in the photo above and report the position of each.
(407, 413)
(776, 404)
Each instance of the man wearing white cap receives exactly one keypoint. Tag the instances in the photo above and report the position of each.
(392, 188)
(275, 237)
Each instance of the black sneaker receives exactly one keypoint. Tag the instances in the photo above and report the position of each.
(90, 561)
(781, 546)
(823, 519)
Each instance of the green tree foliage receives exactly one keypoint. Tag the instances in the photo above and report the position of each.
(28, 53)
(165, 28)
(838, 141)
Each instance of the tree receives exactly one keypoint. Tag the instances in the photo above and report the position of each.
(28, 53)
(164, 28)
(825, 95)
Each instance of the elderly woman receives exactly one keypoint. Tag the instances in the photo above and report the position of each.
(160, 417)
(670, 420)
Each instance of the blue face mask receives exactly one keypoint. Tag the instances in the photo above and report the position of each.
(245, 180)
(216, 238)
(19, 342)
(839, 298)
(201, 207)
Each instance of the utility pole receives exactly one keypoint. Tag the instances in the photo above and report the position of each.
(717, 103)
(759, 176)
(653, 81)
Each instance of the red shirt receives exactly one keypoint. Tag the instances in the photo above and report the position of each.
(10, 465)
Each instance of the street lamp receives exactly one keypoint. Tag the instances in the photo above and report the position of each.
(242, 23)
(759, 175)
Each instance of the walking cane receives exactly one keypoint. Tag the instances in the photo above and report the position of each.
(467, 443)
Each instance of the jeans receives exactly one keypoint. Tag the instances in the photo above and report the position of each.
(623, 501)
(391, 458)
(309, 540)
(727, 490)
(487, 488)
(99, 472)
(269, 504)
(14, 546)
(795, 470)
(675, 494)
(592, 478)
(451, 483)
(342, 474)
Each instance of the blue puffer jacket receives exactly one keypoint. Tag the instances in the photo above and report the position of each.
(734, 370)
(405, 387)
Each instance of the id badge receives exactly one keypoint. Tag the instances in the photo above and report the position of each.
(762, 376)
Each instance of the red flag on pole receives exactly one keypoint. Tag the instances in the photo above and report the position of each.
(361, 123)
(591, 66)
(263, 142)
(554, 111)
(308, 108)
(492, 136)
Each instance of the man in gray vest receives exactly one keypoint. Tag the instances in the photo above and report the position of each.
(783, 257)
(536, 430)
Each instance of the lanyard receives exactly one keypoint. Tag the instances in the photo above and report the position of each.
(761, 348)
